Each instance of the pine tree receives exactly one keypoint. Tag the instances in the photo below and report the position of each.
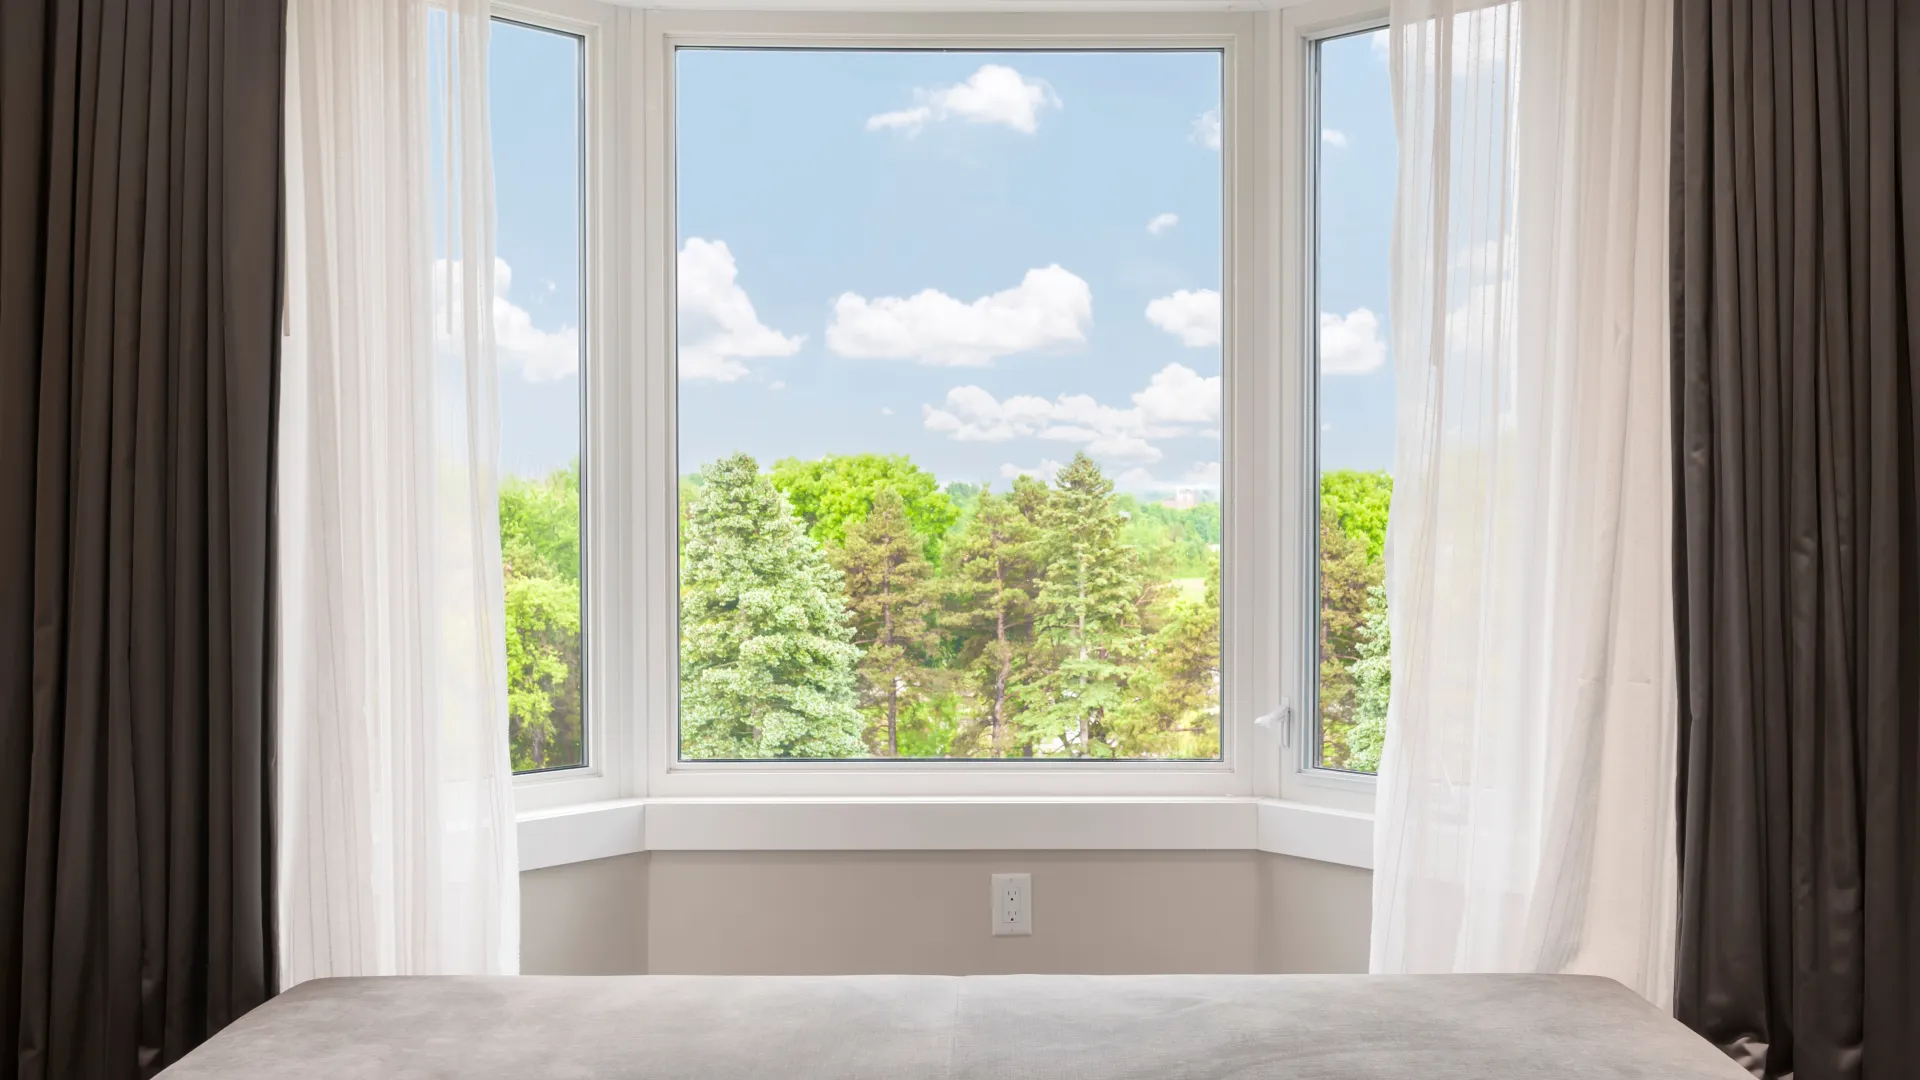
(766, 652)
(888, 583)
(1373, 678)
(1086, 612)
(1175, 705)
(993, 586)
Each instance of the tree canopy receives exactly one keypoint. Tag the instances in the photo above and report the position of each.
(830, 493)
(766, 651)
(852, 606)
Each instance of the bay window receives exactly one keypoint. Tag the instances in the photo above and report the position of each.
(943, 417)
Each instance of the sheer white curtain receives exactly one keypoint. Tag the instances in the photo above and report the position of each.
(396, 820)
(1525, 818)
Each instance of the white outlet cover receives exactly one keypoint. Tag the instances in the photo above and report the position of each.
(1012, 905)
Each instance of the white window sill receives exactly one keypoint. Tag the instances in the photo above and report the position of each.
(623, 826)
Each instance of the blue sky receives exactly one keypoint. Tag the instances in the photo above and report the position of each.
(984, 260)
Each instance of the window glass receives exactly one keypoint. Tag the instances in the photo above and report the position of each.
(1354, 204)
(535, 100)
(949, 414)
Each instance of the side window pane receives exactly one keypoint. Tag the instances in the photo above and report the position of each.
(950, 403)
(537, 141)
(1354, 205)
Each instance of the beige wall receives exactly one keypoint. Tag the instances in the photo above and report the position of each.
(587, 918)
(911, 912)
(1318, 916)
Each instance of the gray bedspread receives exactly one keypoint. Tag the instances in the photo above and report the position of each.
(1034, 1027)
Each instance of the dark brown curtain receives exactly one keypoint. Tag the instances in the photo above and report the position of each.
(1797, 556)
(140, 207)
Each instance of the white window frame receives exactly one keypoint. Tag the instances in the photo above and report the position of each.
(1302, 777)
(606, 598)
(630, 444)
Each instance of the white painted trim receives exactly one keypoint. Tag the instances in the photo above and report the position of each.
(1316, 832)
(633, 634)
(949, 824)
(948, 7)
(1251, 587)
(608, 597)
(582, 833)
(1298, 30)
(625, 826)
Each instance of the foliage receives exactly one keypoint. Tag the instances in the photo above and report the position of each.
(1373, 679)
(1040, 631)
(1178, 693)
(1060, 619)
(766, 653)
(1087, 615)
(1173, 543)
(889, 591)
(1353, 526)
(1357, 501)
(540, 564)
(1345, 576)
(931, 725)
(833, 492)
(995, 573)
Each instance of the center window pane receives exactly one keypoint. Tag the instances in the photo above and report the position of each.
(950, 405)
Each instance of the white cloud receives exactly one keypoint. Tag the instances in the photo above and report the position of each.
(1177, 401)
(1051, 307)
(539, 355)
(1333, 137)
(1204, 475)
(1179, 395)
(1206, 129)
(1162, 222)
(1191, 315)
(886, 410)
(1046, 470)
(995, 94)
(718, 326)
(971, 414)
(1377, 41)
(777, 384)
(1350, 344)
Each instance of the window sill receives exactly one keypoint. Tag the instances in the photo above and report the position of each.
(624, 826)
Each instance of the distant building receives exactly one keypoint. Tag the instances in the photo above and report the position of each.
(1183, 499)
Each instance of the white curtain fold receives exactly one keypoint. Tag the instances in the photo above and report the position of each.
(396, 824)
(1525, 816)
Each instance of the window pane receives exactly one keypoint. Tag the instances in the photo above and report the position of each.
(535, 101)
(1354, 203)
(949, 403)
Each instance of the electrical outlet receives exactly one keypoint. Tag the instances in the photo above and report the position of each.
(1012, 905)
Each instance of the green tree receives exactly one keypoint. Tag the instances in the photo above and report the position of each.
(540, 563)
(543, 655)
(1346, 574)
(1031, 497)
(991, 587)
(766, 652)
(1353, 530)
(831, 493)
(889, 591)
(1177, 689)
(1087, 613)
(1357, 501)
(964, 496)
(1373, 679)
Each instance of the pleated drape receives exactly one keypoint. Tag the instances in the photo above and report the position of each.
(140, 207)
(1797, 547)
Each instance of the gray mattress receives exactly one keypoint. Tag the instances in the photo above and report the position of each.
(1035, 1027)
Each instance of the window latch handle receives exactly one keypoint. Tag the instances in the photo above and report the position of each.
(1281, 719)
